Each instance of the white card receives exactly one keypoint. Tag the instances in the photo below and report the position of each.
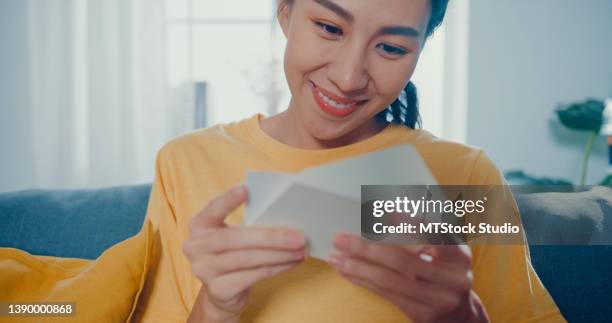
(326, 200)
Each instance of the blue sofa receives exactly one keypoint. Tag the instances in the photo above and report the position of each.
(84, 223)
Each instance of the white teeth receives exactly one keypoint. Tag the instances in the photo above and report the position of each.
(333, 103)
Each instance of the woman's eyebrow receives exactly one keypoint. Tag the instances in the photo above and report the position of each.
(343, 13)
(387, 30)
(399, 30)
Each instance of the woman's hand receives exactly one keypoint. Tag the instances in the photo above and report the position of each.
(230, 259)
(428, 284)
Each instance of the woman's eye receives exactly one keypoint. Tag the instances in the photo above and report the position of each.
(392, 50)
(329, 28)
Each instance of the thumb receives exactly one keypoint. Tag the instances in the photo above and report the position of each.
(214, 214)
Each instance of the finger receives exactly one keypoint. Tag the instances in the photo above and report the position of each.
(453, 255)
(381, 277)
(213, 215)
(239, 260)
(419, 291)
(407, 261)
(442, 299)
(348, 241)
(392, 257)
(408, 264)
(226, 287)
(241, 237)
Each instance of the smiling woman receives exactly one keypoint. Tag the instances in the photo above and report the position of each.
(348, 64)
(348, 53)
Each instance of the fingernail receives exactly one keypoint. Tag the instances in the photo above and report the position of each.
(425, 257)
(336, 260)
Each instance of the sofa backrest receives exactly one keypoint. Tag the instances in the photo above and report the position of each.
(71, 223)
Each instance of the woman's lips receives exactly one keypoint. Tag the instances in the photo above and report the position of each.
(333, 104)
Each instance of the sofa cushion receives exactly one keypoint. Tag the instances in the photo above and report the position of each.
(102, 290)
(578, 278)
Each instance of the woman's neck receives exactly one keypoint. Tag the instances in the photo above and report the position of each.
(286, 127)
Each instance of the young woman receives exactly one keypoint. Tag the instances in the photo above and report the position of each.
(348, 64)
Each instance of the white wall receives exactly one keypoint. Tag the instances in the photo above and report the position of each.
(15, 158)
(525, 57)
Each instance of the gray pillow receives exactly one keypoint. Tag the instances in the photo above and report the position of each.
(577, 218)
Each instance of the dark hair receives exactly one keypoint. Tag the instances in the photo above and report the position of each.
(405, 109)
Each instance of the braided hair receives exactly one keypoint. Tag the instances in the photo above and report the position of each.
(405, 109)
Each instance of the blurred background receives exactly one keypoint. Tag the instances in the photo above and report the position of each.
(91, 89)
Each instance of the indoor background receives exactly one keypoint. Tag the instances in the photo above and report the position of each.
(91, 89)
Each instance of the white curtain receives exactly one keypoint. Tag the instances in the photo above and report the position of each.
(100, 106)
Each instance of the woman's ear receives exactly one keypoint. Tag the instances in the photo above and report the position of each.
(283, 16)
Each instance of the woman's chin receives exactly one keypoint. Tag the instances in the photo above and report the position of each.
(322, 132)
(325, 134)
(330, 129)
(328, 132)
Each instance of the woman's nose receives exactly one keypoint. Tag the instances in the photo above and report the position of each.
(348, 71)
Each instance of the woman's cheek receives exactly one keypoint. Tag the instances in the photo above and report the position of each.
(389, 81)
(309, 51)
(389, 87)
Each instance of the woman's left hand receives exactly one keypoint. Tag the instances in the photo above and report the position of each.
(428, 284)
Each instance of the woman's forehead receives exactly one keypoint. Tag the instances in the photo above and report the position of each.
(414, 13)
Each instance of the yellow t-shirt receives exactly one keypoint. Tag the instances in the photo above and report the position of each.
(193, 168)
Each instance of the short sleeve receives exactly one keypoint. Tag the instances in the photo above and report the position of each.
(162, 298)
(504, 277)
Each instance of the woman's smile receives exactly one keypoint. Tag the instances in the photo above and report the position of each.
(333, 104)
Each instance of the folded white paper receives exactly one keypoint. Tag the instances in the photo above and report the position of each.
(325, 200)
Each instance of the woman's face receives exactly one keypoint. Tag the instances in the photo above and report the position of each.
(347, 60)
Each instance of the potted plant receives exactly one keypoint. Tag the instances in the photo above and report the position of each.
(584, 116)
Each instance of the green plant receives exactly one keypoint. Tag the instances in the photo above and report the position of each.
(583, 116)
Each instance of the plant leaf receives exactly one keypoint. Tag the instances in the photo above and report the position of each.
(585, 116)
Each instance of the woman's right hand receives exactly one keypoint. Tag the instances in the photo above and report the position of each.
(230, 259)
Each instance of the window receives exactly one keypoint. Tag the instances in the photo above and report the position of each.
(235, 48)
